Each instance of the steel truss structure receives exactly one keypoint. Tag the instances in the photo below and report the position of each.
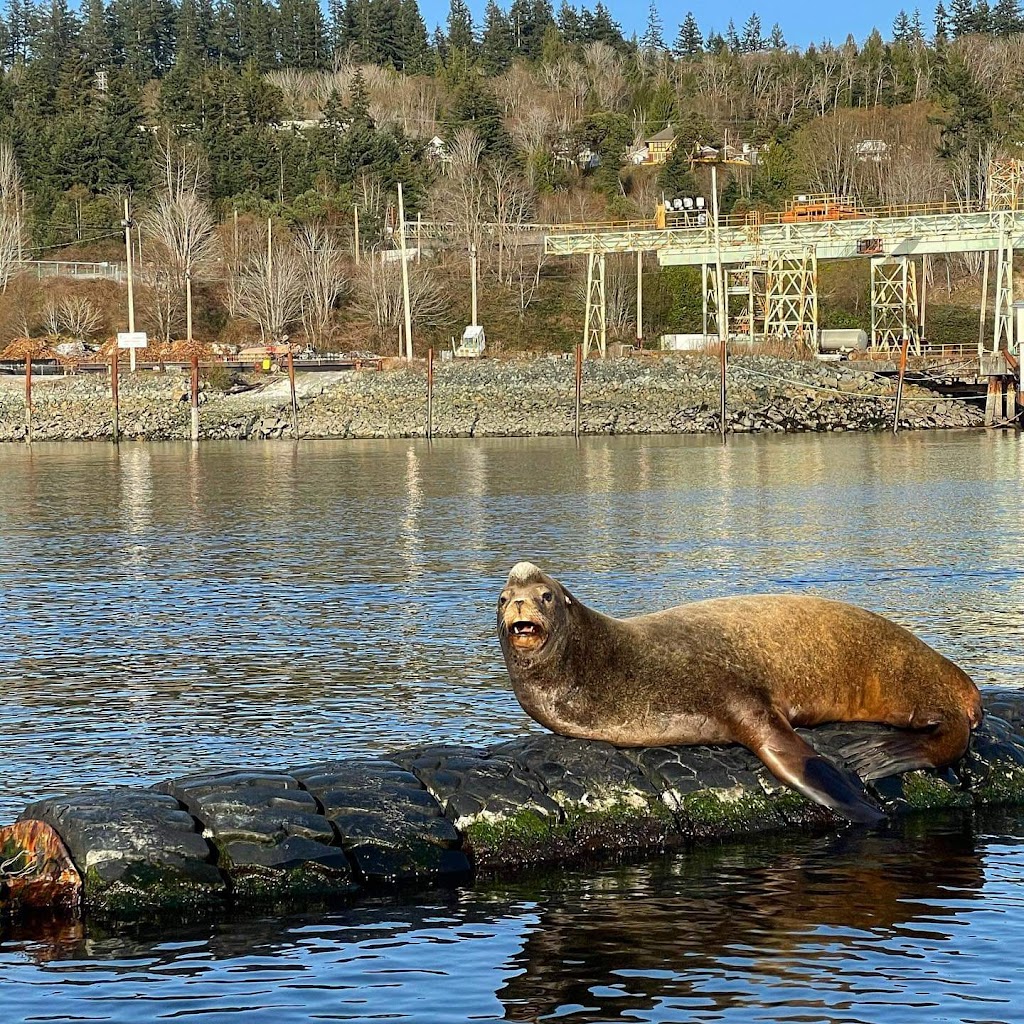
(895, 312)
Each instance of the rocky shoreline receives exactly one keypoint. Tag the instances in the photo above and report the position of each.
(489, 398)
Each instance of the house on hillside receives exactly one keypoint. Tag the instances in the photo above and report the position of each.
(659, 146)
(437, 149)
(870, 150)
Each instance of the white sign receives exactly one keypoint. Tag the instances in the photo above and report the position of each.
(132, 339)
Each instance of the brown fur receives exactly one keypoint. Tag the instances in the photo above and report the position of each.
(737, 670)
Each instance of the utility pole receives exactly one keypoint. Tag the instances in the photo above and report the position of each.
(405, 275)
(723, 302)
(640, 298)
(128, 224)
(472, 270)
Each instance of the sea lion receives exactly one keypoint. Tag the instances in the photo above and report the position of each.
(738, 670)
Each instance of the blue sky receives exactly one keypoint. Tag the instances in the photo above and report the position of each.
(801, 22)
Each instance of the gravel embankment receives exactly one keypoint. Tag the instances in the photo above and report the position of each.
(487, 398)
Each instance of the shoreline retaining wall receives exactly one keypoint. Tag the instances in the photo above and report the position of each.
(487, 398)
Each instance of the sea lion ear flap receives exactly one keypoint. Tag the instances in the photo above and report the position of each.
(569, 599)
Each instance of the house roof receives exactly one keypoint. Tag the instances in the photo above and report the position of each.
(665, 135)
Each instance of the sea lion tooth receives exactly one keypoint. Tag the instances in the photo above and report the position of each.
(738, 670)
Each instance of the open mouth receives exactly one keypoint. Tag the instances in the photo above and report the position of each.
(525, 634)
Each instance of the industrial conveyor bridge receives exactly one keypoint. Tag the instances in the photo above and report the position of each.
(761, 271)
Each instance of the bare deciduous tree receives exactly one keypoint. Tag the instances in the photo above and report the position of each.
(378, 298)
(181, 229)
(323, 280)
(268, 290)
(12, 203)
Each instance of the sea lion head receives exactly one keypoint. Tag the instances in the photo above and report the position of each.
(533, 611)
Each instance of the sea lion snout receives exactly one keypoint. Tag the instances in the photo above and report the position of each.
(528, 609)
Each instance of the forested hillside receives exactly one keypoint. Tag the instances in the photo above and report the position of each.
(224, 113)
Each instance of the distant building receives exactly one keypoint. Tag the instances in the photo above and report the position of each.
(660, 146)
(437, 149)
(871, 150)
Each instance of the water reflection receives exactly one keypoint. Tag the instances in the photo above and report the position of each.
(168, 607)
(846, 928)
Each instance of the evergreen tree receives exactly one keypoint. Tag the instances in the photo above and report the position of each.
(1006, 19)
(653, 39)
(961, 17)
(689, 41)
(496, 42)
(941, 24)
(122, 151)
(302, 34)
(982, 19)
(916, 28)
(474, 105)
(901, 28)
(569, 23)
(732, 39)
(95, 37)
(411, 38)
(597, 26)
(460, 27)
(752, 40)
(777, 41)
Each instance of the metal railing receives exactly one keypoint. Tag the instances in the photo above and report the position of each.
(77, 268)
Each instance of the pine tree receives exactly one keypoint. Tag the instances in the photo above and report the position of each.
(496, 42)
(411, 42)
(753, 40)
(569, 22)
(961, 17)
(597, 26)
(941, 24)
(777, 41)
(653, 40)
(460, 27)
(1006, 19)
(95, 38)
(916, 28)
(982, 20)
(732, 39)
(689, 41)
(901, 28)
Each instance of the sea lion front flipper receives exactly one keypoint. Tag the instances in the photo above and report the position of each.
(797, 763)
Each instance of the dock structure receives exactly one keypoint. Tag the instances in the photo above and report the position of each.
(768, 288)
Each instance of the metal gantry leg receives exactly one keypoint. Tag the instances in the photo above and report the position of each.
(595, 320)
(791, 296)
(1003, 337)
(895, 314)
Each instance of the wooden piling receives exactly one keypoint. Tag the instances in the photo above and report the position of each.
(899, 384)
(114, 369)
(28, 399)
(430, 393)
(195, 396)
(295, 400)
(579, 390)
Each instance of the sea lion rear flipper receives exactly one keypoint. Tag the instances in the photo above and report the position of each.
(797, 763)
(878, 757)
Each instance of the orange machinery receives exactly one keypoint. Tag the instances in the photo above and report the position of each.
(819, 206)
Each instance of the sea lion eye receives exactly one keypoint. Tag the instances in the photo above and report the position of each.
(503, 600)
(546, 597)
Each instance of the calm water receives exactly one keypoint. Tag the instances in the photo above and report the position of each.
(167, 609)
